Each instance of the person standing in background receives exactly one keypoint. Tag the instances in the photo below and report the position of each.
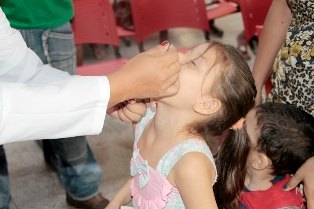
(45, 28)
(288, 55)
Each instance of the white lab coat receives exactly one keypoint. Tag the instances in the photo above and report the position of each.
(40, 102)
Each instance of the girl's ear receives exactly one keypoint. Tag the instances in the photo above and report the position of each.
(260, 161)
(207, 105)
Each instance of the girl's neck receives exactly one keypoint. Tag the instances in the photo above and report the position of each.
(172, 123)
(258, 180)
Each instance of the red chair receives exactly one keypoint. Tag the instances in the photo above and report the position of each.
(94, 22)
(216, 9)
(253, 13)
(220, 9)
(151, 17)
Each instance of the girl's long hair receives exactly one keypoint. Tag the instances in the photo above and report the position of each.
(231, 168)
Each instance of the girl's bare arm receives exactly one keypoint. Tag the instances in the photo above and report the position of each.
(193, 176)
(123, 197)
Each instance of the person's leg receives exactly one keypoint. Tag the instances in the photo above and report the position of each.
(79, 172)
(79, 54)
(4, 181)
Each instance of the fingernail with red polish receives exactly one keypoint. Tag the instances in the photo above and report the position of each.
(165, 43)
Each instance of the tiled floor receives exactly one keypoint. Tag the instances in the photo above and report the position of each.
(35, 186)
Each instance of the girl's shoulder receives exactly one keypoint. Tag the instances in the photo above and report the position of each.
(191, 146)
(188, 154)
(195, 164)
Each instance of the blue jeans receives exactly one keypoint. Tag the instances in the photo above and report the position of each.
(79, 172)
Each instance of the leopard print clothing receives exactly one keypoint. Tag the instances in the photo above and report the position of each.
(293, 75)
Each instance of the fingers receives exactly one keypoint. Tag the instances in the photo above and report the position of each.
(159, 50)
(295, 180)
(136, 109)
(166, 53)
(304, 174)
(114, 114)
(132, 112)
(194, 53)
(122, 116)
(170, 57)
(156, 51)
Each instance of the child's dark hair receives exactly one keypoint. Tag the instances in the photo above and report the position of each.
(286, 136)
(235, 88)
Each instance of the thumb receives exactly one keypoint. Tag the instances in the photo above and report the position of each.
(158, 50)
(295, 180)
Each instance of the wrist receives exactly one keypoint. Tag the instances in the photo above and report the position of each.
(119, 88)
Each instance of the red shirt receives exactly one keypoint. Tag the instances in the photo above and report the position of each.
(272, 198)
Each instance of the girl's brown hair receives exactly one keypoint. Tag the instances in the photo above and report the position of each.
(234, 87)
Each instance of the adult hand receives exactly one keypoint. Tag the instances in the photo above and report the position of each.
(151, 74)
(305, 174)
(193, 54)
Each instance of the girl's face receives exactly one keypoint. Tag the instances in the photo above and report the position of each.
(196, 76)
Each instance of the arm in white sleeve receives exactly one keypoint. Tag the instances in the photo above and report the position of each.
(38, 101)
(61, 109)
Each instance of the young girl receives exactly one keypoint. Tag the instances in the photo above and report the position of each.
(172, 166)
(254, 164)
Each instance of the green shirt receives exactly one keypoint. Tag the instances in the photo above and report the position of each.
(37, 14)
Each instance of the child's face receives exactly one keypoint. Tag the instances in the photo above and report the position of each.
(196, 76)
(256, 160)
(250, 127)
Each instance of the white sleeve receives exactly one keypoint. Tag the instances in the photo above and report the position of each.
(61, 109)
(38, 101)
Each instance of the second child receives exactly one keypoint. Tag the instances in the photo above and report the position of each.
(255, 162)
